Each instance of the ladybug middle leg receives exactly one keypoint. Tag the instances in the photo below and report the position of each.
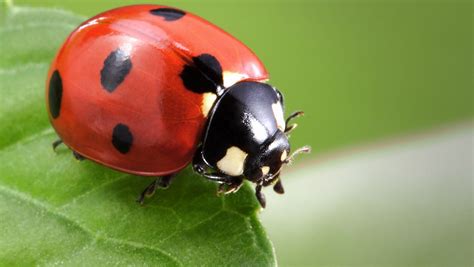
(78, 156)
(160, 182)
(260, 196)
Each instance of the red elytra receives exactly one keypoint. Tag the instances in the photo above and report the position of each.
(145, 48)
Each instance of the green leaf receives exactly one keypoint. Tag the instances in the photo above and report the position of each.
(56, 210)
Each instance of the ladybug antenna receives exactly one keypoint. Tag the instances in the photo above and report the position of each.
(293, 115)
(304, 149)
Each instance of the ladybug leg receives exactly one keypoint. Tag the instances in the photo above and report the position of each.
(78, 156)
(56, 144)
(199, 166)
(218, 177)
(74, 153)
(232, 187)
(260, 196)
(160, 182)
(228, 184)
(293, 115)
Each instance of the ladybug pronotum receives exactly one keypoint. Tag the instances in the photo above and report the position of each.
(148, 89)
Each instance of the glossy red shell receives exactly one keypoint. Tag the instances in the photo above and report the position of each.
(165, 118)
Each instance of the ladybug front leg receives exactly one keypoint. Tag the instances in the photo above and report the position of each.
(233, 185)
(199, 166)
(160, 182)
(260, 196)
(228, 184)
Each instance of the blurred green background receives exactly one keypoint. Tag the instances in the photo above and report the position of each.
(363, 71)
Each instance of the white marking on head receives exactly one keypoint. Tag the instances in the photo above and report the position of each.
(231, 78)
(265, 170)
(283, 155)
(279, 117)
(233, 161)
(208, 100)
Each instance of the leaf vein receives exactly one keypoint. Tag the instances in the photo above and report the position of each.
(196, 224)
(92, 190)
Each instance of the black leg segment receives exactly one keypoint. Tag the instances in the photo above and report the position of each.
(293, 115)
(199, 166)
(233, 186)
(160, 182)
(78, 156)
(260, 196)
(56, 144)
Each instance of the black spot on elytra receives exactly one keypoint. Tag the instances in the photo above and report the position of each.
(122, 138)
(169, 14)
(55, 94)
(116, 67)
(204, 74)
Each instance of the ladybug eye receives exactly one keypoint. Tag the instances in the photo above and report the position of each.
(280, 96)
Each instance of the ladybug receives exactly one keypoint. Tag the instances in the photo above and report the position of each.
(148, 89)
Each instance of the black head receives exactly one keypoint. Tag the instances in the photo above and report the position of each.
(264, 167)
(247, 135)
